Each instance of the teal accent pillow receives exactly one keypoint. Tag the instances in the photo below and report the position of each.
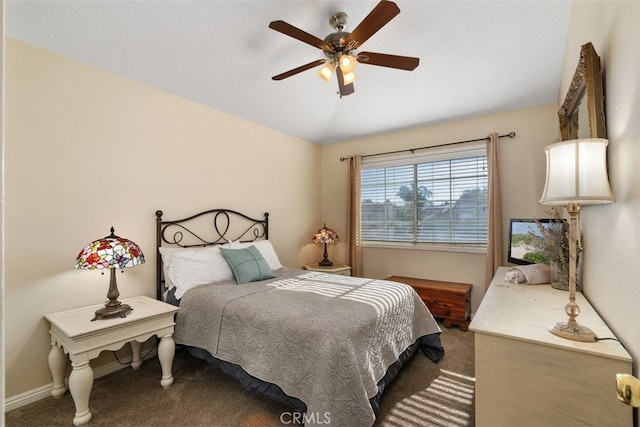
(247, 264)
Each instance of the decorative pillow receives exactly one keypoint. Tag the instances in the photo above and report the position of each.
(247, 264)
(266, 249)
(189, 269)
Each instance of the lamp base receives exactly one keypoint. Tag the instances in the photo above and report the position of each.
(112, 310)
(572, 331)
(325, 258)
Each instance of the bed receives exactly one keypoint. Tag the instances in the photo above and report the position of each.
(323, 344)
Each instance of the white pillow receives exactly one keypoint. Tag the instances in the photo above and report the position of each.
(167, 254)
(266, 250)
(189, 269)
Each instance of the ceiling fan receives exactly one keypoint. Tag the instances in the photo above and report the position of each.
(340, 47)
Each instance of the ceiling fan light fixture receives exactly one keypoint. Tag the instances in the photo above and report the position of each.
(349, 77)
(326, 72)
(347, 63)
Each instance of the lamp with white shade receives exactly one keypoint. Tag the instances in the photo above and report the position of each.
(576, 176)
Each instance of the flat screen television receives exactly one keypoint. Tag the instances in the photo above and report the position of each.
(521, 251)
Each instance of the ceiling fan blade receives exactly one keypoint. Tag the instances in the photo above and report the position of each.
(299, 69)
(384, 12)
(385, 60)
(299, 34)
(344, 89)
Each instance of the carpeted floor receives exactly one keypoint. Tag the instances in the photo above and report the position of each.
(423, 394)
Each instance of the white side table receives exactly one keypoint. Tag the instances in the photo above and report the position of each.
(341, 269)
(74, 333)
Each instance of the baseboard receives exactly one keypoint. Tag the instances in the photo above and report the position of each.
(30, 396)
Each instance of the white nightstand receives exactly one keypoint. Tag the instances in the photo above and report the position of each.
(74, 333)
(341, 269)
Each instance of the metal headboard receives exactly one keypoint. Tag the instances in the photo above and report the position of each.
(207, 228)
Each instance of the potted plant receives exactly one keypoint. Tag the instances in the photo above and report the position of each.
(553, 244)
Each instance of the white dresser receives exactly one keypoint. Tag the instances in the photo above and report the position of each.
(526, 376)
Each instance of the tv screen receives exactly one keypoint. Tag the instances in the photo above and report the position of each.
(521, 251)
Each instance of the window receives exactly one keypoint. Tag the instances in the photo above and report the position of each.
(438, 198)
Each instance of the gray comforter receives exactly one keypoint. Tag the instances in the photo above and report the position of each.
(324, 339)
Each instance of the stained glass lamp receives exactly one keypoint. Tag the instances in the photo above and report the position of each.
(110, 252)
(325, 235)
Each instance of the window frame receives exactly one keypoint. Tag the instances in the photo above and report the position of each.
(412, 158)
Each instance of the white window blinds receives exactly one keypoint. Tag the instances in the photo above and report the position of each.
(439, 197)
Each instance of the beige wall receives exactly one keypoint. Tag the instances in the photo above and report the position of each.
(612, 232)
(86, 149)
(521, 173)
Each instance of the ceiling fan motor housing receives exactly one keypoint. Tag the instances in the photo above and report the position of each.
(338, 43)
(338, 39)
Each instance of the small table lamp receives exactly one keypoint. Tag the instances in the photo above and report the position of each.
(110, 252)
(325, 235)
(576, 175)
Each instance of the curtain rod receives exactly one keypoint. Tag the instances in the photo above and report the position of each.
(510, 135)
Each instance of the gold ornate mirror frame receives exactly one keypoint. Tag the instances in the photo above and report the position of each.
(582, 113)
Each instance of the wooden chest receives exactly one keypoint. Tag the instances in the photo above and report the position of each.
(447, 300)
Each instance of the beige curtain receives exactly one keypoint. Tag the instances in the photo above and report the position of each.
(354, 245)
(494, 211)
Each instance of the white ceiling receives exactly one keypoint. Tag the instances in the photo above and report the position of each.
(476, 57)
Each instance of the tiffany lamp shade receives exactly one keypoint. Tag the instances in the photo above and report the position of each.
(110, 252)
(325, 235)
